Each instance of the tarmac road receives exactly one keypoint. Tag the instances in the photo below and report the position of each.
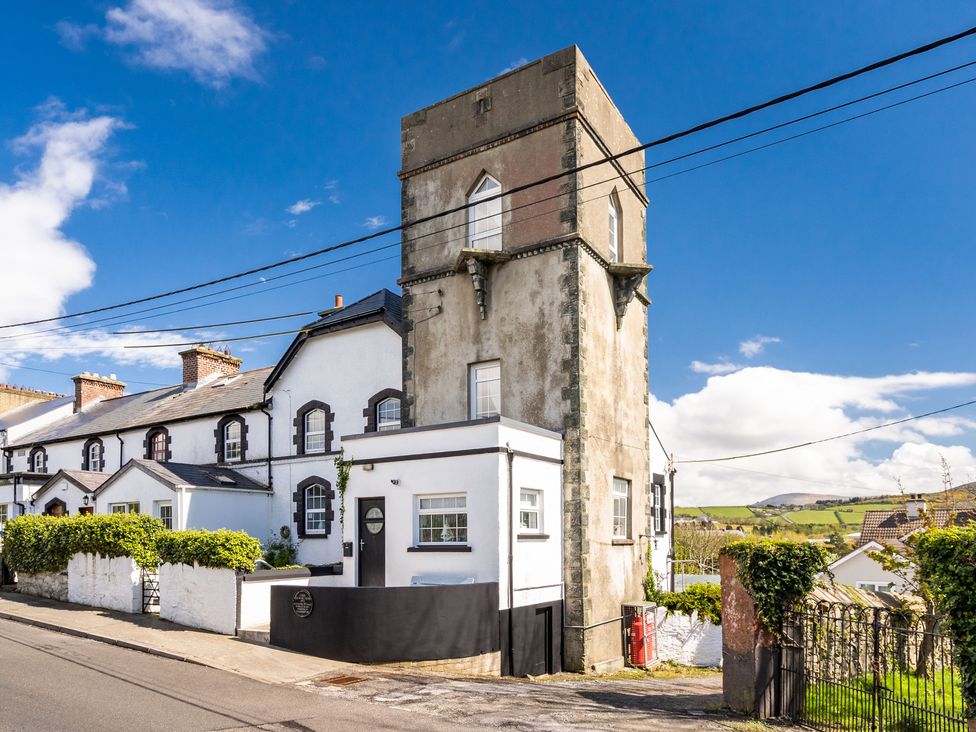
(52, 682)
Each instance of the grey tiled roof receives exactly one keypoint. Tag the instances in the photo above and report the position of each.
(159, 406)
(21, 414)
(199, 476)
(88, 480)
(382, 300)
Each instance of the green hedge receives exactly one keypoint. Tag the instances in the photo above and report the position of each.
(704, 598)
(45, 543)
(947, 562)
(219, 549)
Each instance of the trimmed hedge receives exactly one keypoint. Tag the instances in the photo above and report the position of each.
(45, 543)
(947, 562)
(219, 549)
(704, 598)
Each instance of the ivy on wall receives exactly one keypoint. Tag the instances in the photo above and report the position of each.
(947, 561)
(777, 575)
(702, 597)
(343, 468)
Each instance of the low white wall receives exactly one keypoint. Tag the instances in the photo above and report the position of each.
(114, 583)
(256, 599)
(200, 597)
(687, 640)
(53, 585)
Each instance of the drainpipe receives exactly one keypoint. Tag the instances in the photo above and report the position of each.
(511, 560)
(264, 408)
(121, 448)
(671, 471)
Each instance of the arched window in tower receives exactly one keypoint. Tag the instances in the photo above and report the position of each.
(613, 219)
(388, 414)
(485, 216)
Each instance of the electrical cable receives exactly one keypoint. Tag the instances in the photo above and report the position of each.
(928, 47)
(216, 325)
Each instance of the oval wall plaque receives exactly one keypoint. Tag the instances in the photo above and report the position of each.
(302, 603)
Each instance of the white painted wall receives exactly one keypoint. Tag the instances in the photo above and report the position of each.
(137, 486)
(256, 599)
(687, 640)
(65, 490)
(98, 581)
(199, 597)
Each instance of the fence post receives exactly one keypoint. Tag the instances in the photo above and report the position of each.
(750, 654)
(876, 670)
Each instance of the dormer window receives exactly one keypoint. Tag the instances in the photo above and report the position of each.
(388, 414)
(613, 216)
(485, 216)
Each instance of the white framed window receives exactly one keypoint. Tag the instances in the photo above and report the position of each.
(621, 508)
(129, 507)
(660, 524)
(232, 442)
(95, 456)
(613, 216)
(486, 389)
(875, 586)
(315, 431)
(164, 512)
(530, 511)
(485, 217)
(3, 514)
(316, 505)
(442, 519)
(37, 462)
(388, 414)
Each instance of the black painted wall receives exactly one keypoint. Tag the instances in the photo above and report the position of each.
(537, 634)
(388, 624)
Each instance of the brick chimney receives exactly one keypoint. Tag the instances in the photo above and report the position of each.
(91, 388)
(203, 364)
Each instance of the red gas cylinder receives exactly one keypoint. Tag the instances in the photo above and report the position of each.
(637, 640)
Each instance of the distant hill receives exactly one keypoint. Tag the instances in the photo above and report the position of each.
(798, 499)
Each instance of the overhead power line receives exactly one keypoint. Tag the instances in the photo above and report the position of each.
(826, 439)
(216, 325)
(926, 48)
(220, 340)
(66, 373)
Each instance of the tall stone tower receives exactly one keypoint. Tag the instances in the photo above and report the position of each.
(533, 305)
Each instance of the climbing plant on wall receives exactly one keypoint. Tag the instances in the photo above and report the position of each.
(777, 575)
(947, 561)
(343, 468)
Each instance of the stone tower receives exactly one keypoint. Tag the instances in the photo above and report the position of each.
(547, 285)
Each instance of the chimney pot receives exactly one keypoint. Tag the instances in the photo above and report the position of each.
(91, 388)
(338, 301)
(202, 364)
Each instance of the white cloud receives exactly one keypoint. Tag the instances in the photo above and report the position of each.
(303, 206)
(755, 345)
(521, 61)
(43, 267)
(213, 40)
(374, 222)
(714, 369)
(759, 408)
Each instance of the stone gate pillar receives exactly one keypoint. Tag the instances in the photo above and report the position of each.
(750, 654)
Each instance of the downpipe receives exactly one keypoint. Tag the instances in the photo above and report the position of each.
(510, 454)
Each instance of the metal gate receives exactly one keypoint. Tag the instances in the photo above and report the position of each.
(868, 669)
(150, 592)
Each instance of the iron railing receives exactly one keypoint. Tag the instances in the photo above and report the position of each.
(150, 592)
(868, 669)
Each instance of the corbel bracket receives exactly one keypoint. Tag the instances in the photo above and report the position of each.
(627, 280)
(476, 263)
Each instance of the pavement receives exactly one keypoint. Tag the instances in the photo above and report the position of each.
(149, 634)
(401, 695)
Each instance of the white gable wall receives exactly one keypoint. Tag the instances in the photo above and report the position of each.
(64, 490)
(138, 486)
(859, 567)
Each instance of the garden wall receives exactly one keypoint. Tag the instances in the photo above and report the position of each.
(53, 585)
(113, 583)
(687, 640)
(256, 593)
(200, 597)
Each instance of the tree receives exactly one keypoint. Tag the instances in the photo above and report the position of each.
(698, 548)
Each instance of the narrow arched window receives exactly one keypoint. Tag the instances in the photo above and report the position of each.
(485, 216)
(316, 507)
(315, 431)
(157, 445)
(388, 414)
(613, 216)
(95, 456)
(232, 442)
(38, 460)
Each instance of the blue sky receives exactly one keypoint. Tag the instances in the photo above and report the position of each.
(847, 249)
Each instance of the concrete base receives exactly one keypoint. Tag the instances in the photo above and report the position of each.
(610, 666)
(260, 635)
(487, 664)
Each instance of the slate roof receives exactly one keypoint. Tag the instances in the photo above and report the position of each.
(382, 306)
(197, 476)
(889, 527)
(88, 480)
(25, 412)
(148, 408)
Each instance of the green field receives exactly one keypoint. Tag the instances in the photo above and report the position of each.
(825, 517)
(687, 511)
(729, 513)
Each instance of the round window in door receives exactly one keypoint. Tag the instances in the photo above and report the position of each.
(374, 520)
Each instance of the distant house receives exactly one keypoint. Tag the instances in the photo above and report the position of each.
(889, 528)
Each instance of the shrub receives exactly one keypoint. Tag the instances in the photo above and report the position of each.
(45, 543)
(219, 549)
(702, 597)
(947, 562)
(777, 575)
(280, 552)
